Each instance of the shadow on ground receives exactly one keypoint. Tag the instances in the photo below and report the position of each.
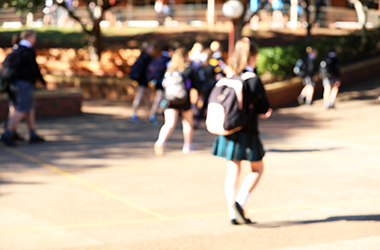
(375, 217)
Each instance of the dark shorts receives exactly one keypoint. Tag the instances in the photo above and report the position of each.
(239, 146)
(307, 80)
(328, 81)
(183, 107)
(24, 95)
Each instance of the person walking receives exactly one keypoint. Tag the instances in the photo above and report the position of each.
(179, 67)
(12, 95)
(138, 73)
(309, 79)
(207, 76)
(23, 87)
(244, 144)
(329, 69)
(155, 73)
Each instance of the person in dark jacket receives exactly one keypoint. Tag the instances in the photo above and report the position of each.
(29, 73)
(244, 144)
(330, 72)
(306, 96)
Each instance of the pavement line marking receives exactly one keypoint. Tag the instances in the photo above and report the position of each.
(188, 216)
(82, 182)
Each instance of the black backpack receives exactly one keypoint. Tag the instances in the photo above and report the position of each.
(10, 68)
(225, 112)
(138, 69)
(327, 67)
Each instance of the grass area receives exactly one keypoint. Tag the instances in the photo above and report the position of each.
(74, 38)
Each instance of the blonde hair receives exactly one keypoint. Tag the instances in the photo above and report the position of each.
(244, 49)
(178, 61)
(214, 46)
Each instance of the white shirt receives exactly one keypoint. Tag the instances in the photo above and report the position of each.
(25, 43)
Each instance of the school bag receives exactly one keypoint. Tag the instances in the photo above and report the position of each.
(156, 68)
(225, 112)
(300, 68)
(174, 84)
(139, 67)
(10, 68)
(327, 67)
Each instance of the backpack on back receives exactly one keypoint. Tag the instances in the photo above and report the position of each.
(326, 67)
(139, 67)
(9, 69)
(225, 112)
(174, 84)
(156, 68)
(300, 68)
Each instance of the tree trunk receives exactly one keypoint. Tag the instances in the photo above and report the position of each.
(95, 42)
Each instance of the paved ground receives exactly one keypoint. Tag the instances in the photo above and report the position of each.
(96, 184)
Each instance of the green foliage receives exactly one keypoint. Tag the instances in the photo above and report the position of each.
(22, 5)
(279, 61)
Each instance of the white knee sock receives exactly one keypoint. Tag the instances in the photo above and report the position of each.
(242, 197)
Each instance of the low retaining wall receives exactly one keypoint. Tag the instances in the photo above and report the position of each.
(51, 103)
(68, 100)
(284, 93)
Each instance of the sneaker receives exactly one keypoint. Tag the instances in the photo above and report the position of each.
(7, 140)
(36, 139)
(17, 137)
(188, 149)
(154, 122)
(134, 119)
(240, 214)
(159, 150)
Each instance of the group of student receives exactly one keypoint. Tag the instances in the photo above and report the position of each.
(201, 69)
(328, 70)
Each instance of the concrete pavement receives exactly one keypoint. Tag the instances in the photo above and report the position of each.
(96, 184)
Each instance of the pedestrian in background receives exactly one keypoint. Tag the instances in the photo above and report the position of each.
(179, 68)
(138, 73)
(11, 95)
(24, 85)
(244, 144)
(309, 77)
(329, 69)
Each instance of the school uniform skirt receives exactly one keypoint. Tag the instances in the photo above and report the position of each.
(239, 146)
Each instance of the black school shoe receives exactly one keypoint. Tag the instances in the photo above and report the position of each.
(7, 140)
(36, 139)
(240, 218)
(16, 137)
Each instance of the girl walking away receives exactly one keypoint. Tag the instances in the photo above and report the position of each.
(244, 144)
(179, 78)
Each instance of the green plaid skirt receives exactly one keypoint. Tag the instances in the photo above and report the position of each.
(239, 146)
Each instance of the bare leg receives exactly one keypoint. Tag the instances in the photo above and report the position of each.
(250, 182)
(187, 126)
(156, 103)
(309, 93)
(16, 119)
(326, 95)
(30, 119)
(138, 98)
(171, 118)
(334, 94)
